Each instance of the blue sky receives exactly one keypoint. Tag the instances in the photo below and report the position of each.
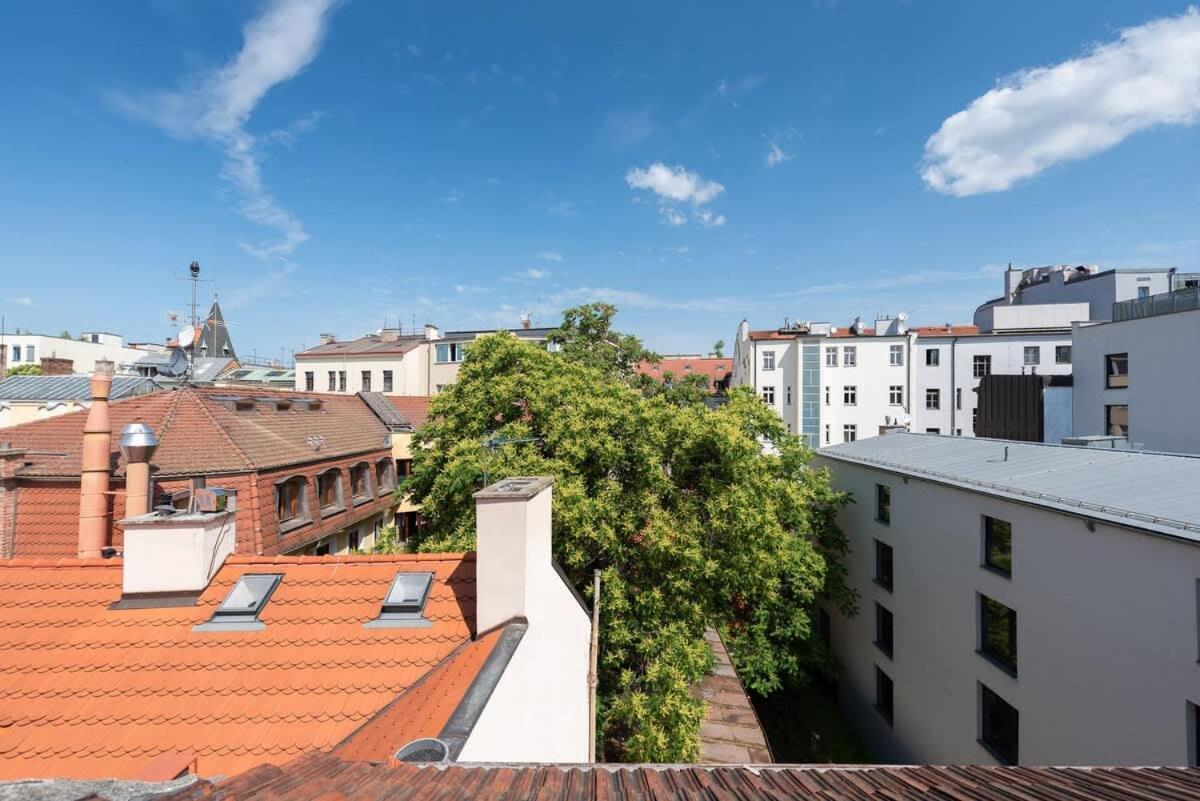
(333, 165)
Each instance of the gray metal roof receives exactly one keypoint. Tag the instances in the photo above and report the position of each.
(386, 412)
(69, 387)
(1154, 492)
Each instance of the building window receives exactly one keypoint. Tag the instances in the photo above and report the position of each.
(998, 633)
(352, 541)
(789, 394)
(360, 482)
(1033, 355)
(883, 565)
(974, 420)
(933, 399)
(883, 629)
(1194, 724)
(16, 353)
(932, 357)
(831, 357)
(883, 695)
(768, 360)
(332, 380)
(1116, 420)
(1116, 370)
(849, 432)
(896, 395)
(981, 366)
(883, 503)
(896, 355)
(341, 380)
(1143, 292)
(290, 503)
(827, 433)
(29, 353)
(451, 352)
(826, 396)
(404, 467)
(997, 545)
(933, 431)
(768, 395)
(385, 476)
(958, 398)
(998, 725)
(310, 381)
(322, 548)
(850, 396)
(1062, 354)
(849, 356)
(329, 491)
(366, 380)
(387, 380)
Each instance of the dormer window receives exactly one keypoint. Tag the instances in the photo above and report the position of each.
(242, 606)
(329, 492)
(385, 476)
(291, 503)
(404, 604)
(360, 482)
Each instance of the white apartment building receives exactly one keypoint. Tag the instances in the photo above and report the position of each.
(833, 385)
(391, 362)
(1019, 603)
(1138, 377)
(84, 352)
(1099, 289)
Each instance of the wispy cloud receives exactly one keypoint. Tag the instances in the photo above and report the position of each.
(20, 300)
(534, 274)
(876, 283)
(262, 287)
(739, 86)
(216, 107)
(626, 128)
(1040, 117)
(558, 207)
(451, 197)
(675, 186)
(550, 255)
(775, 155)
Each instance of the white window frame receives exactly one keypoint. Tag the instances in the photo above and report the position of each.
(849, 432)
(1035, 351)
(850, 356)
(933, 398)
(896, 395)
(850, 395)
(831, 359)
(896, 355)
(768, 395)
(768, 360)
(933, 357)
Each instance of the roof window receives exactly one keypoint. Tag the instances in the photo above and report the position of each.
(404, 604)
(244, 603)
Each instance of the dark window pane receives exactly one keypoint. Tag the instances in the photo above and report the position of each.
(998, 545)
(999, 726)
(883, 503)
(998, 624)
(884, 692)
(883, 564)
(1116, 368)
(1116, 420)
(883, 629)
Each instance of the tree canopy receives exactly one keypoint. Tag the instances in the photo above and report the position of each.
(586, 337)
(690, 522)
(25, 369)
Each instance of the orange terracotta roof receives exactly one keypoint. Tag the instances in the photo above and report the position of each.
(415, 408)
(756, 335)
(714, 369)
(199, 434)
(93, 692)
(941, 331)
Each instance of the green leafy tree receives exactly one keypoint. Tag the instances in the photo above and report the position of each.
(719, 348)
(683, 390)
(25, 369)
(690, 523)
(388, 541)
(586, 337)
(64, 334)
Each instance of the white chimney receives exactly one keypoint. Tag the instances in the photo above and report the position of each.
(512, 550)
(432, 332)
(175, 553)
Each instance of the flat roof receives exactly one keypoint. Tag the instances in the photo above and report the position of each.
(1149, 491)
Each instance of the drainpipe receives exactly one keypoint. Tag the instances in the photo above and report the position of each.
(953, 389)
(138, 443)
(94, 473)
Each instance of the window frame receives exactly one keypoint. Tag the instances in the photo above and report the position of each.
(895, 355)
(850, 395)
(366, 380)
(385, 476)
(885, 630)
(1058, 354)
(849, 432)
(388, 381)
(297, 487)
(341, 380)
(850, 356)
(933, 357)
(310, 381)
(333, 380)
(1031, 350)
(1108, 419)
(1116, 380)
(887, 710)
(989, 532)
(1000, 751)
(978, 361)
(768, 361)
(933, 398)
(364, 469)
(767, 393)
(885, 553)
(995, 612)
(831, 357)
(339, 501)
(896, 395)
(883, 504)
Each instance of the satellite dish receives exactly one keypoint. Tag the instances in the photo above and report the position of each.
(187, 335)
(903, 316)
(177, 363)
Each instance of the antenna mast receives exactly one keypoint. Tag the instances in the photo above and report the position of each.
(194, 269)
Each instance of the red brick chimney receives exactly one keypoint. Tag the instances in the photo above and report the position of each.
(54, 365)
(11, 460)
(94, 476)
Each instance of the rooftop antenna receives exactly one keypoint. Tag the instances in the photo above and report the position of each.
(194, 269)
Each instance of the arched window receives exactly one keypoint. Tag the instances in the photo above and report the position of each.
(360, 482)
(291, 503)
(329, 492)
(385, 476)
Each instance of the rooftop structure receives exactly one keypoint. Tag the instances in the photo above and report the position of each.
(718, 370)
(69, 388)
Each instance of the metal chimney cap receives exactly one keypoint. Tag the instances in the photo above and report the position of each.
(138, 442)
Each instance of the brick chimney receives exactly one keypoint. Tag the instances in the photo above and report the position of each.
(55, 365)
(94, 475)
(11, 460)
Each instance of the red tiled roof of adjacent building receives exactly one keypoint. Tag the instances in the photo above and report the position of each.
(328, 777)
(414, 408)
(90, 691)
(756, 335)
(715, 369)
(201, 433)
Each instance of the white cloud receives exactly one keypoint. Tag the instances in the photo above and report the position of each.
(262, 287)
(673, 183)
(1148, 76)
(534, 274)
(550, 255)
(775, 155)
(741, 86)
(21, 300)
(216, 106)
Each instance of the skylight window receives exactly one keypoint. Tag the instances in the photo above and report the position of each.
(404, 604)
(244, 603)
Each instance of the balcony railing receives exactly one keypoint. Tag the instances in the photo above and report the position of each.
(1187, 299)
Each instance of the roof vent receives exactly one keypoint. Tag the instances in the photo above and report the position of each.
(283, 405)
(404, 604)
(244, 603)
(243, 405)
(427, 749)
